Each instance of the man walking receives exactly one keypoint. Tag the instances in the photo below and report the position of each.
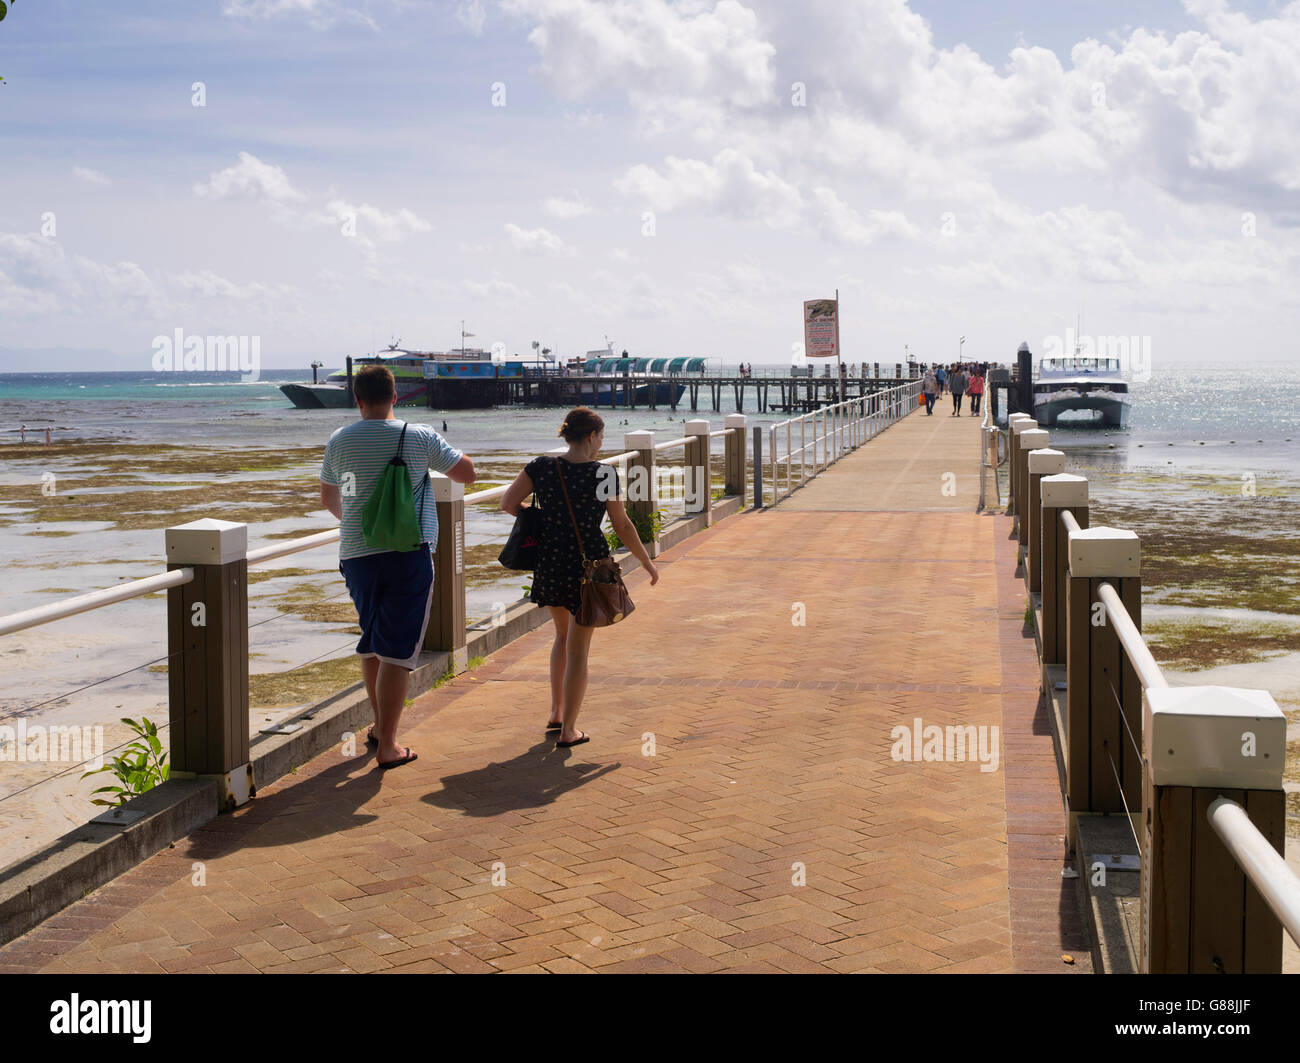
(392, 589)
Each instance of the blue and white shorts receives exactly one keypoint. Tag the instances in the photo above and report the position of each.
(393, 593)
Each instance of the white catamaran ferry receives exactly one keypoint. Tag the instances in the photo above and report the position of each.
(1081, 382)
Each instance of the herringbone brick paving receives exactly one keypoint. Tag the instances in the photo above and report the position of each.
(737, 809)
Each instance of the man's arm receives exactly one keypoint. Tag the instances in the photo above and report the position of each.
(462, 472)
(329, 498)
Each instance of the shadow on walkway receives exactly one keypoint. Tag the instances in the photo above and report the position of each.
(535, 778)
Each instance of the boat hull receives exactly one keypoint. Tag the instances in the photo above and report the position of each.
(335, 397)
(665, 394)
(1113, 413)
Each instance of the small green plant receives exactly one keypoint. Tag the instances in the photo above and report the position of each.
(140, 767)
(647, 528)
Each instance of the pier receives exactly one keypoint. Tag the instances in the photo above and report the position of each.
(752, 798)
(772, 390)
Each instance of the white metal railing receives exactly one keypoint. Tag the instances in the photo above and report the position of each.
(1139, 655)
(993, 455)
(836, 428)
(1268, 872)
(84, 603)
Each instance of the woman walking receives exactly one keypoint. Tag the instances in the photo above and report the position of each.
(930, 389)
(976, 390)
(957, 382)
(593, 492)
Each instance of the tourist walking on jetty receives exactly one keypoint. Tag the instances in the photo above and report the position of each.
(930, 389)
(957, 382)
(392, 589)
(976, 389)
(941, 376)
(593, 492)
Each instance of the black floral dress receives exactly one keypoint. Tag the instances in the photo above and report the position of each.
(558, 575)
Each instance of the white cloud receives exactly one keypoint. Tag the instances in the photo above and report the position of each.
(385, 226)
(731, 185)
(91, 177)
(38, 277)
(536, 241)
(250, 178)
(470, 14)
(650, 48)
(210, 285)
(319, 14)
(559, 207)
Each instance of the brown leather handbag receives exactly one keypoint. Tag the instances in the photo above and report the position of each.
(604, 599)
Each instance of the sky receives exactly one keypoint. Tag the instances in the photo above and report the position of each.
(327, 175)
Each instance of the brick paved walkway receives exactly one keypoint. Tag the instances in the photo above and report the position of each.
(771, 765)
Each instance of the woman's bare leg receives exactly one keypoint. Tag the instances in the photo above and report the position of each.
(561, 616)
(575, 678)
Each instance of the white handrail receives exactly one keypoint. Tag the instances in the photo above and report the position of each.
(673, 443)
(1268, 872)
(84, 603)
(292, 546)
(1131, 639)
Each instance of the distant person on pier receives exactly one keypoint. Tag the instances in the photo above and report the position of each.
(976, 391)
(392, 589)
(941, 377)
(930, 389)
(957, 383)
(593, 491)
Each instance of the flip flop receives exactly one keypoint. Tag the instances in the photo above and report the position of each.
(371, 740)
(555, 726)
(384, 765)
(576, 742)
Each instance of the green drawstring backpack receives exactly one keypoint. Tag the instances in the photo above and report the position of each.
(389, 522)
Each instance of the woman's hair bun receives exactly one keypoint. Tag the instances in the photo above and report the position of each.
(580, 423)
(560, 431)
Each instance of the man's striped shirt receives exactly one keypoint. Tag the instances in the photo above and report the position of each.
(355, 457)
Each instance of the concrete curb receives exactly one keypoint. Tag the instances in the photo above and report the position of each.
(35, 888)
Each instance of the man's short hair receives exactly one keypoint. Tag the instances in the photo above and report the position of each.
(374, 385)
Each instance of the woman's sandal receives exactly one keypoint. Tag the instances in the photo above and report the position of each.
(555, 726)
(576, 742)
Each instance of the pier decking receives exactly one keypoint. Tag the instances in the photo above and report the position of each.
(771, 764)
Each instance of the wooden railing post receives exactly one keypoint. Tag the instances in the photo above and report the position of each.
(1033, 439)
(1042, 462)
(446, 630)
(1060, 492)
(1200, 913)
(642, 489)
(1011, 480)
(1103, 694)
(207, 644)
(699, 493)
(758, 466)
(734, 452)
(1017, 464)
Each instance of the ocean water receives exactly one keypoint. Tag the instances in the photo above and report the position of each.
(1203, 415)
